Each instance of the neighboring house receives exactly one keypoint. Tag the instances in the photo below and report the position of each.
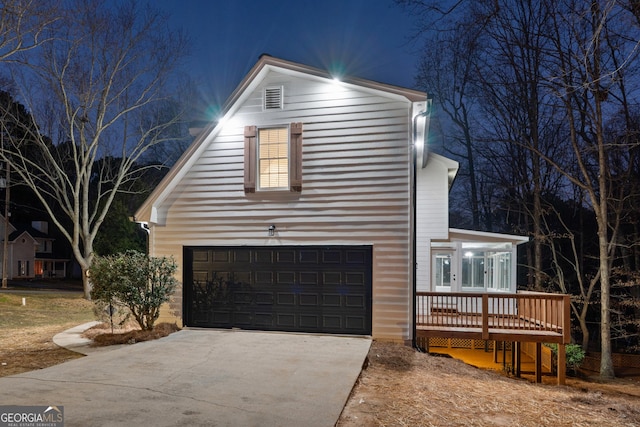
(30, 252)
(301, 200)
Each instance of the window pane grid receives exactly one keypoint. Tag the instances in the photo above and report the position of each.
(273, 153)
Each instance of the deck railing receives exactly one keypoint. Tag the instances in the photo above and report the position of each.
(527, 313)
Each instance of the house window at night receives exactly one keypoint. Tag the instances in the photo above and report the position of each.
(38, 268)
(273, 158)
(473, 266)
(23, 268)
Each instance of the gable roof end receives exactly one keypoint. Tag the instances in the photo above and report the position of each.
(148, 210)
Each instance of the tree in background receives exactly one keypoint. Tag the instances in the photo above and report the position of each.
(447, 74)
(24, 25)
(552, 75)
(98, 87)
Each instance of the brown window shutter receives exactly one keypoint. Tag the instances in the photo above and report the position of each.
(295, 158)
(250, 167)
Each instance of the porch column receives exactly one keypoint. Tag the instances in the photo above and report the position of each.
(562, 364)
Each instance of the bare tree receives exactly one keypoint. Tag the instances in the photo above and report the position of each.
(96, 89)
(583, 294)
(447, 74)
(550, 75)
(594, 46)
(24, 25)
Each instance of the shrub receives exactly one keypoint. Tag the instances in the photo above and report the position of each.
(136, 281)
(574, 355)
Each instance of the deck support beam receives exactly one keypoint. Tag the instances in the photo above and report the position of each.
(538, 362)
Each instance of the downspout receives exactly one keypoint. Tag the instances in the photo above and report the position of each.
(144, 226)
(414, 237)
(414, 195)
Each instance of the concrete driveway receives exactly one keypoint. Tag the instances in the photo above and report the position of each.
(201, 378)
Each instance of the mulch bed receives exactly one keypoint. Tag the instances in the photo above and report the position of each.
(402, 387)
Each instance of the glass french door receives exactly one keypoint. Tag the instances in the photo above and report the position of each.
(444, 271)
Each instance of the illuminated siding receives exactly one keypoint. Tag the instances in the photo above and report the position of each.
(355, 188)
(433, 213)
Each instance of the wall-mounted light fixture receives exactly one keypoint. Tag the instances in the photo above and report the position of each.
(272, 230)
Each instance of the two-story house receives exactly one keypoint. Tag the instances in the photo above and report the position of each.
(314, 205)
(30, 252)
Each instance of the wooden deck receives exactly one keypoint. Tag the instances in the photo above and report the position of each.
(520, 317)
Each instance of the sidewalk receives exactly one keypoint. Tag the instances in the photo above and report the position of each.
(72, 339)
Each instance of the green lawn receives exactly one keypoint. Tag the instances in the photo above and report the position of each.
(43, 309)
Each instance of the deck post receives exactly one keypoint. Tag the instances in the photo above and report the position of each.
(504, 354)
(566, 322)
(538, 362)
(518, 362)
(485, 316)
(562, 364)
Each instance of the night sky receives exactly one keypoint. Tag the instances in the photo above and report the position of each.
(361, 38)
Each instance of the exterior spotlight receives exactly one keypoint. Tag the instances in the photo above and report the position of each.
(272, 230)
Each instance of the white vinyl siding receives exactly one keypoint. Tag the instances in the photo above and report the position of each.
(432, 201)
(355, 173)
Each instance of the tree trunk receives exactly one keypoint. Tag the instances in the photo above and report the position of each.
(606, 361)
(86, 283)
(585, 331)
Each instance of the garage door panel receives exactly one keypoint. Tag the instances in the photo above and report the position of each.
(242, 277)
(308, 256)
(265, 298)
(312, 289)
(286, 321)
(331, 278)
(220, 317)
(309, 278)
(331, 257)
(286, 298)
(243, 318)
(264, 277)
(241, 256)
(201, 256)
(354, 301)
(331, 300)
(264, 256)
(309, 322)
(354, 323)
(354, 279)
(285, 277)
(332, 323)
(356, 257)
(309, 300)
(201, 276)
(286, 256)
(264, 319)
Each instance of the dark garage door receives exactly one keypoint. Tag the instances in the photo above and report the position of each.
(283, 288)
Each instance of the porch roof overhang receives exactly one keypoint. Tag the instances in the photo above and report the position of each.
(457, 234)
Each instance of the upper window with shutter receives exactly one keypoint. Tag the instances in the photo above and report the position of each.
(273, 158)
(272, 99)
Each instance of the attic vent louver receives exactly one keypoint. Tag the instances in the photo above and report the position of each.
(273, 98)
